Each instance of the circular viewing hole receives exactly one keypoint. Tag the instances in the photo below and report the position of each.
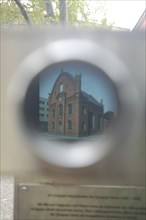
(71, 101)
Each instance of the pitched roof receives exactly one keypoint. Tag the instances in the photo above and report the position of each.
(90, 98)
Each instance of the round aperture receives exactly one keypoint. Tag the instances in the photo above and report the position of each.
(71, 101)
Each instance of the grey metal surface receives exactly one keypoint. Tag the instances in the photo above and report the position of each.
(6, 197)
(78, 202)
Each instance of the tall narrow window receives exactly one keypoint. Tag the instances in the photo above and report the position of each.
(69, 109)
(100, 122)
(84, 111)
(61, 87)
(69, 125)
(53, 125)
(91, 121)
(60, 110)
(60, 126)
(53, 112)
(83, 126)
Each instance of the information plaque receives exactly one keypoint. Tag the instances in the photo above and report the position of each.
(72, 202)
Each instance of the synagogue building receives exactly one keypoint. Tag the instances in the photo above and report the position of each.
(73, 112)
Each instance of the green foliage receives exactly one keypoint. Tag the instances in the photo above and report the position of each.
(79, 12)
(9, 13)
(36, 12)
(76, 11)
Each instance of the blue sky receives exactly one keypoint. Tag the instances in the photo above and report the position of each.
(93, 82)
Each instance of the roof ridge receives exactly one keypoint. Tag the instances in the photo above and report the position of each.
(91, 96)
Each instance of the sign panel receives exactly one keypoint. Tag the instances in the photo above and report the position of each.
(67, 202)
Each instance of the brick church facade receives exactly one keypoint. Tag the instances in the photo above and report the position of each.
(73, 112)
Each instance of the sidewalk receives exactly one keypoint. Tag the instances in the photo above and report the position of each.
(6, 197)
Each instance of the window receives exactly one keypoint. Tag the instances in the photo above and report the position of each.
(100, 122)
(61, 87)
(60, 99)
(69, 125)
(53, 112)
(53, 125)
(60, 110)
(84, 111)
(91, 121)
(69, 109)
(41, 115)
(41, 108)
(41, 102)
(83, 126)
(60, 126)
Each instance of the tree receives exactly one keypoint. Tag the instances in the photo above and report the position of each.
(9, 13)
(50, 12)
(23, 12)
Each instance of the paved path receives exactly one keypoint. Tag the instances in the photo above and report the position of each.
(6, 198)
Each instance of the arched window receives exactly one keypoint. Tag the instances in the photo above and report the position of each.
(69, 125)
(53, 125)
(60, 109)
(83, 126)
(61, 87)
(69, 109)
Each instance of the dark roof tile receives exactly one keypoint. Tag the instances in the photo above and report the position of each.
(90, 98)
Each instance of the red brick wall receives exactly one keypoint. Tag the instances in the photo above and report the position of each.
(70, 87)
(71, 95)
